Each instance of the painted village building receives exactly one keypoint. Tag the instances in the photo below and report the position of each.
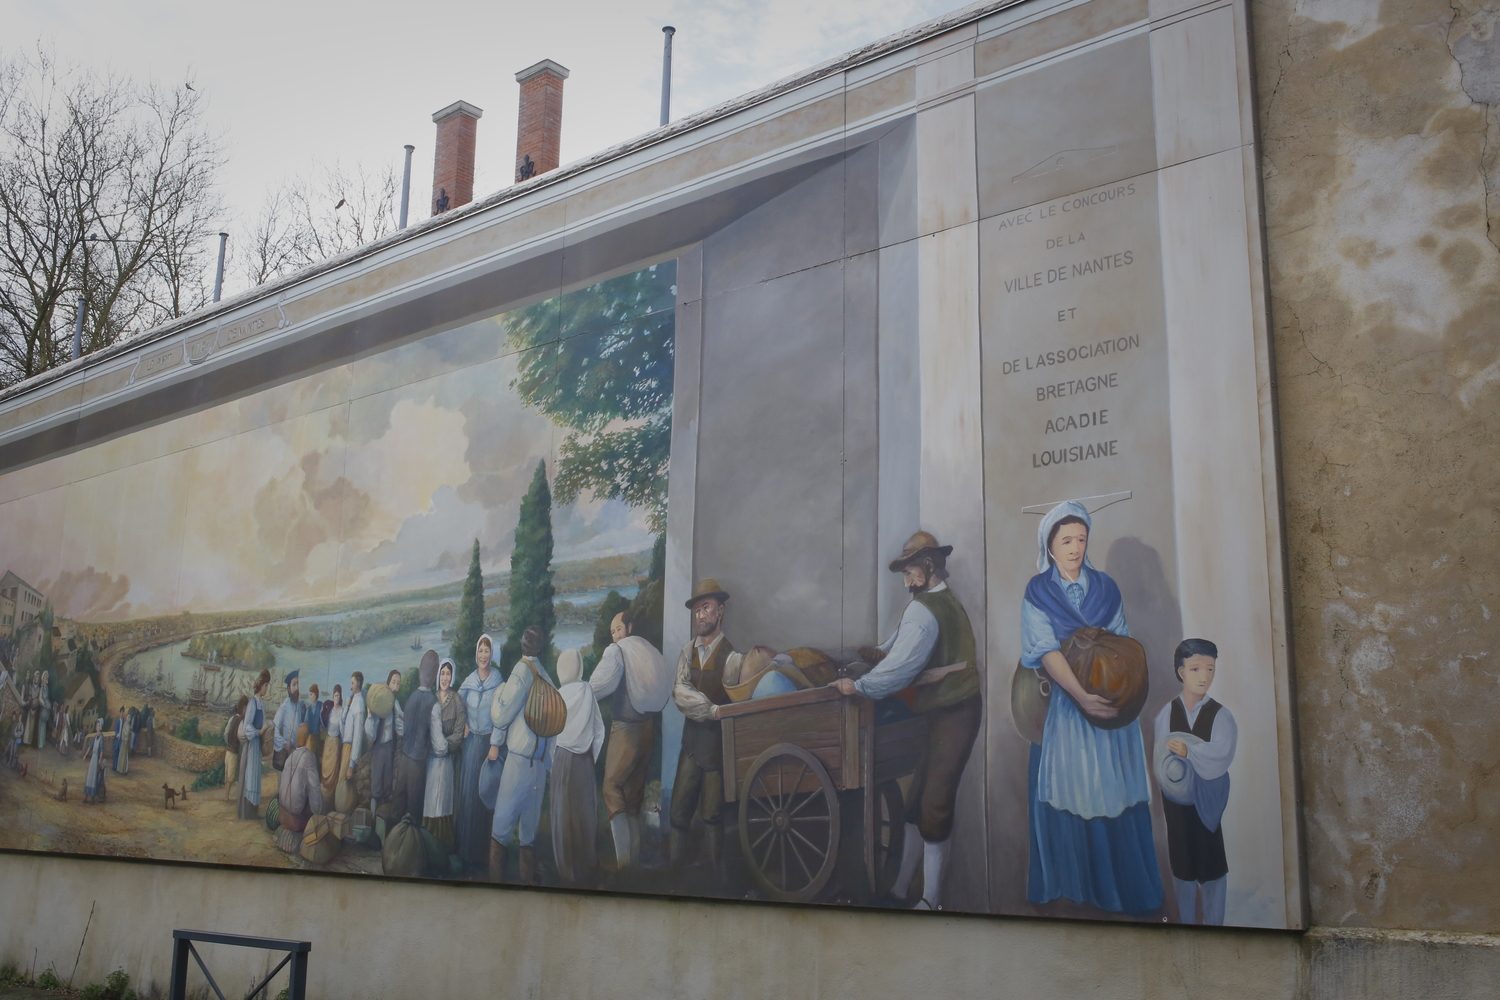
(1208, 291)
(19, 604)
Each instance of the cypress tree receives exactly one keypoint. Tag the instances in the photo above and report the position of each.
(470, 621)
(658, 559)
(648, 607)
(531, 573)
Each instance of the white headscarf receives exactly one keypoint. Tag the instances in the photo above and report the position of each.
(494, 663)
(1068, 508)
(569, 666)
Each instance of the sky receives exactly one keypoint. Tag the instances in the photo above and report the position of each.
(373, 477)
(294, 87)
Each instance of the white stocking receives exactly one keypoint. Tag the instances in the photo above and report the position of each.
(911, 853)
(635, 838)
(619, 828)
(934, 856)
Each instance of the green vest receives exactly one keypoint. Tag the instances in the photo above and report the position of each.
(955, 644)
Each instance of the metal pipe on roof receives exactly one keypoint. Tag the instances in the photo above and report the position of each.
(406, 186)
(219, 274)
(83, 305)
(666, 74)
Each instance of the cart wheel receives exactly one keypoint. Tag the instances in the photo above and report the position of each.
(890, 836)
(789, 823)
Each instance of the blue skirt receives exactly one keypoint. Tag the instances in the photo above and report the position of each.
(1108, 862)
(471, 820)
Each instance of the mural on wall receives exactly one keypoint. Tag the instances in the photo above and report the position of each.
(274, 631)
(913, 585)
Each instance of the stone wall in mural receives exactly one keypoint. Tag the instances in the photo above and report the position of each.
(907, 541)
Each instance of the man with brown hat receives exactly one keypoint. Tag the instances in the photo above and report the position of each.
(706, 666)
(931, 663)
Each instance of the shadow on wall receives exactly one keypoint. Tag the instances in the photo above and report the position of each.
(1155, 620)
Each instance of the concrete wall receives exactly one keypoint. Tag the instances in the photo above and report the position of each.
(409, 939)
(1380, 169)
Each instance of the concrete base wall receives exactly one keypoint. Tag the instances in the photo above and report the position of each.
(378, 939)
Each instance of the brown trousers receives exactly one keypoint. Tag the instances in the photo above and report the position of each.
(696, 789)
(951, 732)
(626, 761)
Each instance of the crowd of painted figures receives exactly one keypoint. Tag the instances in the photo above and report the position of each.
(45, 723)
(471, 764)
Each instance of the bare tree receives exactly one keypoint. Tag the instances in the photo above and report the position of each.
(312, 218)
(106, 192)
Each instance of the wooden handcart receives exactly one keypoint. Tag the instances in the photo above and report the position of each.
(797, 764)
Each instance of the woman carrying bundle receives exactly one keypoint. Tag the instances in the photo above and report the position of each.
(232, 749)
(1088, 796)
(250, 748)
(447, 735)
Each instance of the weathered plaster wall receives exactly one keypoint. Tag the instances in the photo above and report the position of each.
(410, 939)
(1381, 165)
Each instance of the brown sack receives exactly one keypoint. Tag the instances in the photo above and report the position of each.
(1030, 694)
(319, 844)
(1112, 666)
(343, 797)
(817, 666)
(289, 840)
(330, 767)
(380, 700)
(545, 713)
(402, 851)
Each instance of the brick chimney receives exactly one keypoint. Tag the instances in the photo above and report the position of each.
(453, 159)
(539, 128)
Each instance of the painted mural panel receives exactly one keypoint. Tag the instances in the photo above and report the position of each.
(208, 589)
(928, 508)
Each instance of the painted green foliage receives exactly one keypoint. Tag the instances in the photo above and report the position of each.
(597, 356)
(470, 620)
(531, 590)
(646, 609)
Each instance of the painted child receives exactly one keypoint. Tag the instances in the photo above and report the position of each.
(1201, 731)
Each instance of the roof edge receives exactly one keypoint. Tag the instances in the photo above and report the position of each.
(838, 64)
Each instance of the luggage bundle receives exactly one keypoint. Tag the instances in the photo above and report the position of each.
(1112, 666)
(319, 841)
(341, 825)
(545, 713)
(273, 815)
(343, 796)
(289, 841)
(411, 851)
(379, 700)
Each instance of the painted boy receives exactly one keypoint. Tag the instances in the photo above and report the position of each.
(1195, 730)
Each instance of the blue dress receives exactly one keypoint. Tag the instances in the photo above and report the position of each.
(1087, 790)
(122, 747)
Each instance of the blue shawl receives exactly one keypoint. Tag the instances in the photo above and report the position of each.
(1100, 604)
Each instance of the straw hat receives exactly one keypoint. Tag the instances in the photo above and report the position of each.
(1174, 773)
(707, 588)
(920, 544)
